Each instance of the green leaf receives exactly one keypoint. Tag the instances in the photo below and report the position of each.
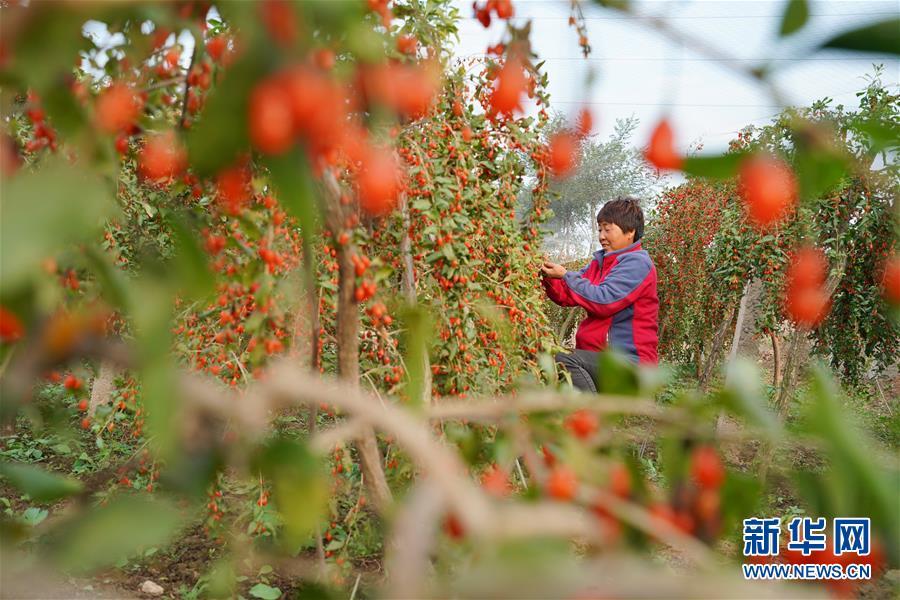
(293, 183)
(882, 38)
(818, 170)
(882, 135)
(192, 472)
(616, 374)
(265, 592)
(418, 333)
(64, 111)
(41, 485)
(795, 16)
(740, 497)
(335, 545)
(113, 282)
(45, 211)
(222, 578)
(221, 133)
(48, 43)
(299, 487)
(119, 530)
(743, 394)
(860, 485)
(33, 516)
(714, 167)
(191, 268)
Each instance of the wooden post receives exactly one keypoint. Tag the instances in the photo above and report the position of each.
(735, 340)
(409, 290)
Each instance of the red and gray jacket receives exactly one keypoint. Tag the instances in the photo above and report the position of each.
(618, 291)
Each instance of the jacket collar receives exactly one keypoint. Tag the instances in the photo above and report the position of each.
(601, 253)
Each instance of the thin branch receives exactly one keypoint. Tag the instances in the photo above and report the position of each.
(187, 89)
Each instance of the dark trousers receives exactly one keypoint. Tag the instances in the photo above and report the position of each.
(582, 366)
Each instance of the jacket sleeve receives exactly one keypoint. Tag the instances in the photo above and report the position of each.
(558, 291)
(617, 291)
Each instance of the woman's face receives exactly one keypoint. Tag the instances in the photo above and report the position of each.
(612, 238)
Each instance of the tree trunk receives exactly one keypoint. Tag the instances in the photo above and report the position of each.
(409, 289)
(781, 399)
(795, 353)
(715, 350)
(795, 346)
(348, 347)
(776, 359)
(742, 312)
(102, 387)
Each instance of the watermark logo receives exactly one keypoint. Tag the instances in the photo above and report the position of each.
(806, 536)
(852, 536)
(761, 536)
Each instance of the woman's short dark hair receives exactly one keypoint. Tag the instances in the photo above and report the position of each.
(624, 212)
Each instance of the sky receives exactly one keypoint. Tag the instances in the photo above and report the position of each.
(639, 72)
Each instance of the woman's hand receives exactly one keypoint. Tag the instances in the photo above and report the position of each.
(550, 269)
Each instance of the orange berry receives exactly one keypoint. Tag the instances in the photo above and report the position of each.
(407, 44)
(454, 527)
(510, 83)
(807, 307)
(706, 468)
(661, 152)
(162, 157)
(324, 58)
(495, 481)
(620, 480)
(585, 122)
(271, 117)
(582, 423)
(378, 181)
(72, 383)
(808, 268)
(11, 328)
(116, 108)
(768, 187)
(216, 46)
(562, 483)
(562, 150)
(891, 279)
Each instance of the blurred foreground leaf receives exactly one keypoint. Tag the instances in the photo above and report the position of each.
(299, 486)
(796, 13)
(191, 266)
(293, 182)
(41, 485)
(744, 395)
(116, 531)
(221, 133)
(819, 170)
(45, 48)
(882, 37)
(45, 211)
(616, 374)
(714, 167)
(859, 486)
